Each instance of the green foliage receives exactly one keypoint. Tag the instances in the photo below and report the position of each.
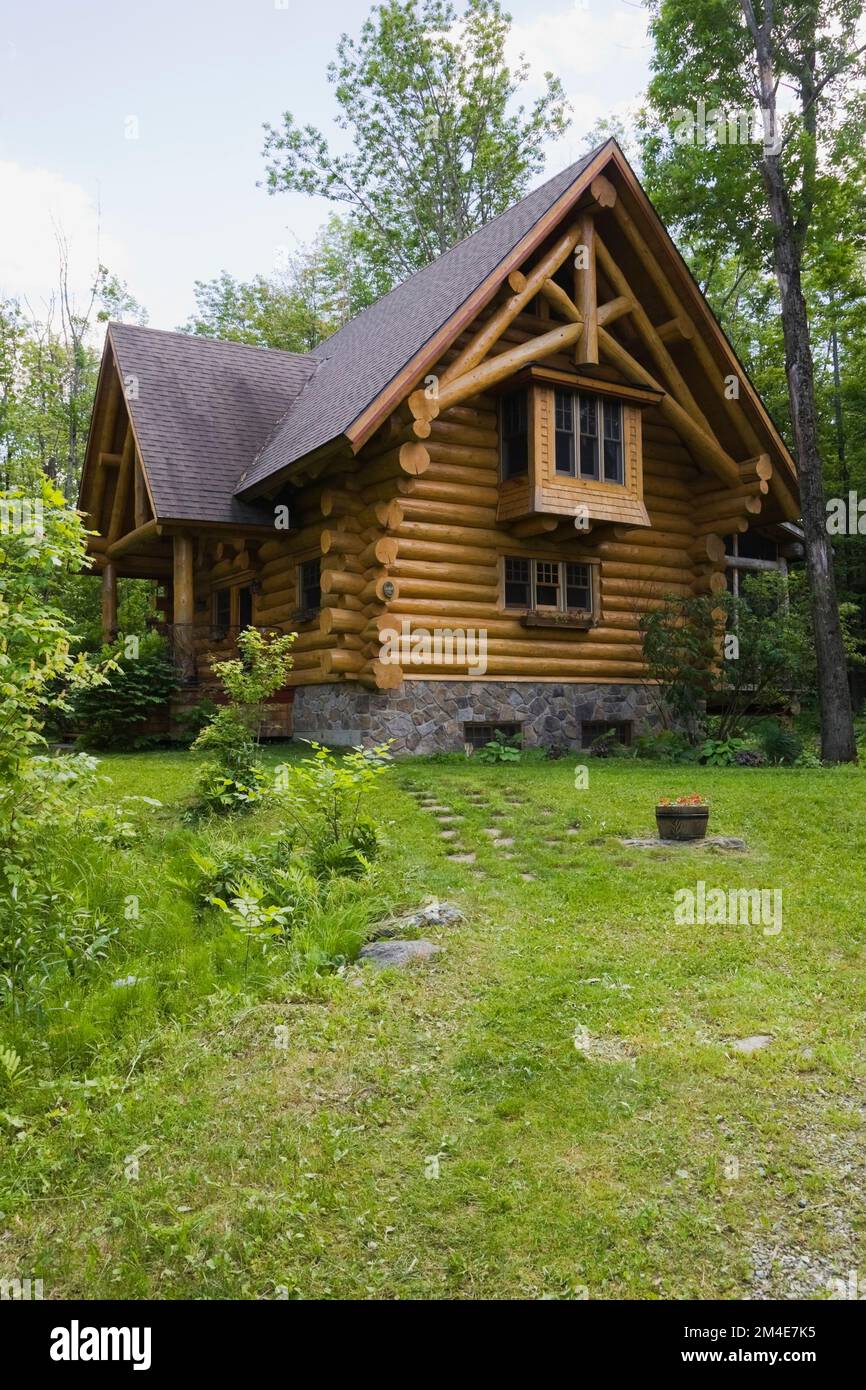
(668, 745)
(606, 745)
(679, 646)
(721, 752)
(194, 718)
(232, 781)
(436, 144)
(751, 651)
(323, 796)
(220, 871)
(261, 669)
(502, 748)
(780, 745)
(141, 681)
(320, 287)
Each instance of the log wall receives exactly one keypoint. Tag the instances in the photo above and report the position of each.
(413, 533)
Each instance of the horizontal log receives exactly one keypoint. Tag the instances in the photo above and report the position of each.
(470, 574)
(644, 588)
(336, 581)
(644, 555)
(437, 588)
(454, 493)
(340, 620)
(457, 473)
(452, 535)
(381, 552)
(339, 659)
(453, 515)
(437, 552)
(341, 542)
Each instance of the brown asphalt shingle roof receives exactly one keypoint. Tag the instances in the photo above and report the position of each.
(359, 361)
(203, 410)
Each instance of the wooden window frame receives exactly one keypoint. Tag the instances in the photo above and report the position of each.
(528, 396)
(540, 615)
(306, 611)
(600, 404)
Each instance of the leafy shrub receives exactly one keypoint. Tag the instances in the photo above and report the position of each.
(349, 857)
(233, 781)
(721, 752)
(140, 681)
(780, 745)
(668, 745)
(502, 748)
(316, 925)
(749, 757)
(192, 720)
(220, 873)
(323, 796)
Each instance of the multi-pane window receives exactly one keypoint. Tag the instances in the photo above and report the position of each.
(551, 584)
(222, 609)
(518, 582)
(588, 437)
(309, 586)
(515, 433)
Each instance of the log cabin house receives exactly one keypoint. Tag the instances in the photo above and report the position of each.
(534, 439)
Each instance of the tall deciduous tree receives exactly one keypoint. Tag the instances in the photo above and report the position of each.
(438, 147)
(797, 63)
(316, 289)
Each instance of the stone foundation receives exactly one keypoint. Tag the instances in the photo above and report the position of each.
(428, 716)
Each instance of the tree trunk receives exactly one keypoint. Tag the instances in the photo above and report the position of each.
(837, 728)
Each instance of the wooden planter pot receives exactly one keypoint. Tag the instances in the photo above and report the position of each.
(682, 822)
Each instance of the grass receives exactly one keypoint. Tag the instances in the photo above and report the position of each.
(287, 1144)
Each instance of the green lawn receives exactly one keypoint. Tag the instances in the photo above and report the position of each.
(652, 1160)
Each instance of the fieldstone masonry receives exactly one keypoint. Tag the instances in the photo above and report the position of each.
(428, 716)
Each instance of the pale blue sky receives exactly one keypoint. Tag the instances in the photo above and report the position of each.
(200, 77)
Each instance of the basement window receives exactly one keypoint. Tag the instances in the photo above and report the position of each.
(561, 586)
(592, 729)
(514, 433)
(477, 734)
(589, 437)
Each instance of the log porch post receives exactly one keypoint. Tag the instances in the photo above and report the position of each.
(184, 607)
(109, 602)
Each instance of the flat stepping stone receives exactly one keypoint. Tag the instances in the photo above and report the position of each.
(573, 830)
(753, 1043)
(554, 844)
(528, 878)
(436, 808)
(462, 858)
(434, 914)
(492, 831)
(723, 842)
(447, 834)
(383, 953)
(449, 820)
(504, 843)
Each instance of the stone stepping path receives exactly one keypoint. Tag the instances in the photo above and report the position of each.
(447, 834)
(467, 858)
